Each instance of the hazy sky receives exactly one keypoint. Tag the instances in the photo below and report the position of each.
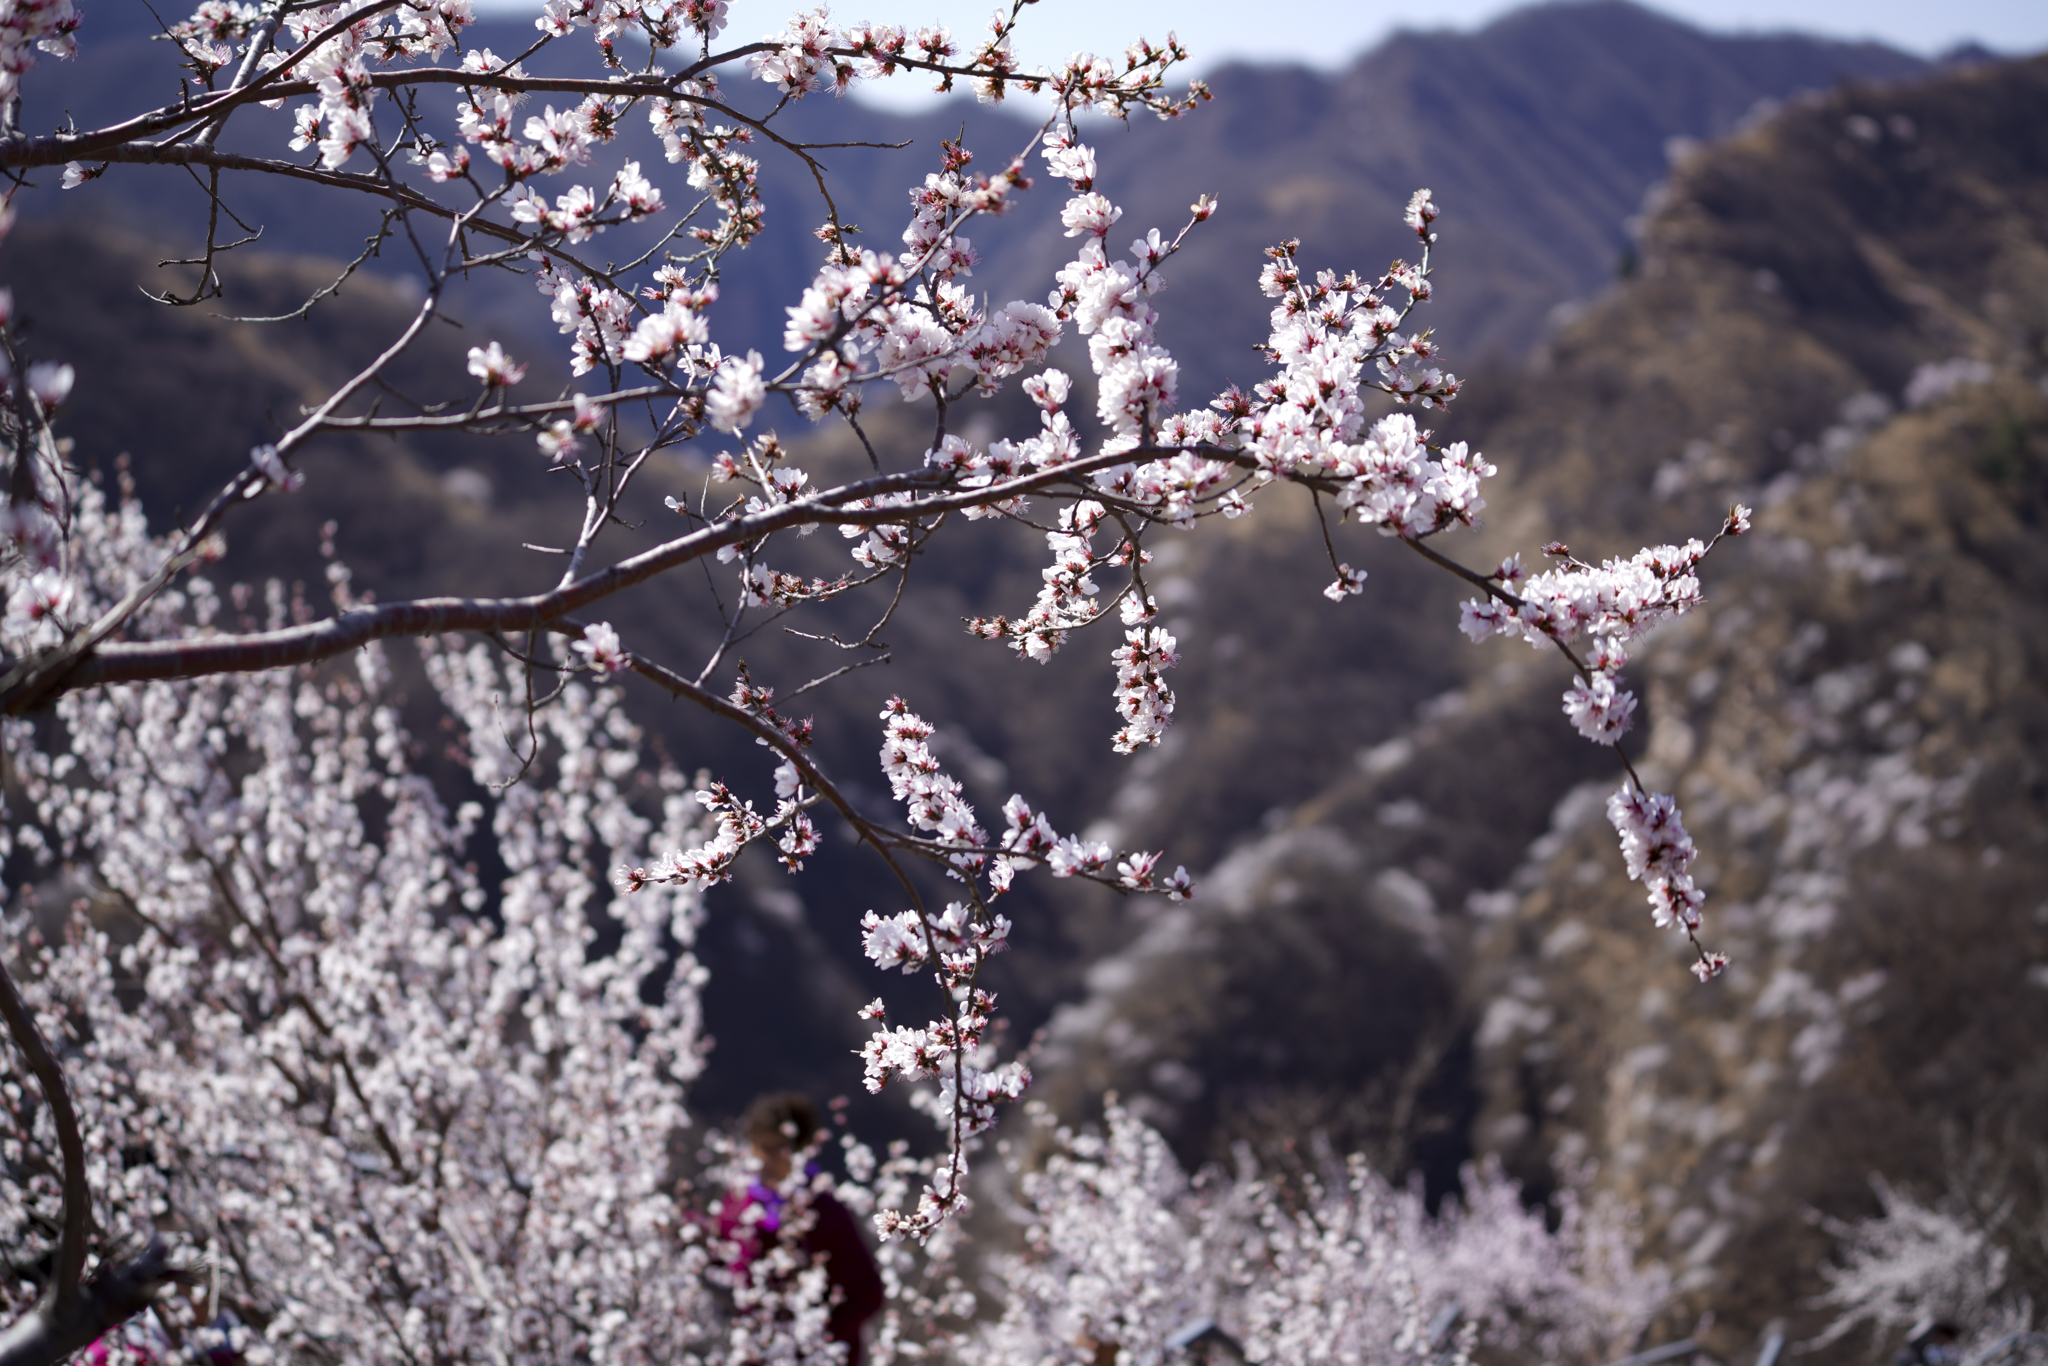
(1329, 32)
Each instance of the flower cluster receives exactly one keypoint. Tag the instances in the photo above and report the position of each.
(1605, 608)
(1113, 88)
(735, 822)
(1068, 599)
(219, 21)
(1142, 697)
(599, 318)
(801, 59)
(1333, 339)
(579, 214)
(931, 796)
(871, 315)
(1108, 301)
(715, 166)
(662, 23)
(1327, 337)
(561, 440)
(1659, 854)
(934, 803)
(1611, 603)
(956, 942)
(340, 122)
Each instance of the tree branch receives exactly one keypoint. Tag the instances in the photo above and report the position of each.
(48, 1335)
(21, 1025)
(71, 1314)
(75, 665)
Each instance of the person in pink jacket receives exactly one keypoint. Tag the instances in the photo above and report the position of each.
(779, 1126)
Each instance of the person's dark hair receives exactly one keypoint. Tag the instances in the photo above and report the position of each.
(783, 1119)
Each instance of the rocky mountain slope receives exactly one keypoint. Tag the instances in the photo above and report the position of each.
(1856, 725)
(1842, 317)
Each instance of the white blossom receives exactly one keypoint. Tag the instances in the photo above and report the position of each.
(737, 393)
(491, 365)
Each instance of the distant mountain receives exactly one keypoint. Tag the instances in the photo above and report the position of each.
(1540, 133)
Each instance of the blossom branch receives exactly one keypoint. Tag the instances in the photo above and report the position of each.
(90, 660)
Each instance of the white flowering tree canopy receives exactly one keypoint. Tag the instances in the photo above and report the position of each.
(408, 1113)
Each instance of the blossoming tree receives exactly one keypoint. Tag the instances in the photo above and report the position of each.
(413, 1114)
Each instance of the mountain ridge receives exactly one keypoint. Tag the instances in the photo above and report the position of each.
(1541, 132)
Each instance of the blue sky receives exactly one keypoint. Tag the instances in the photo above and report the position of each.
(1327, 33)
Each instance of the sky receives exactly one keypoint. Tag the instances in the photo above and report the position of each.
(1328, 33)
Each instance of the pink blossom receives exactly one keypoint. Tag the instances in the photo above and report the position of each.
(276, 475)
(1349, 582)
(1658, 853)
(601, 650)
(1089, 214)
(1421, 212)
